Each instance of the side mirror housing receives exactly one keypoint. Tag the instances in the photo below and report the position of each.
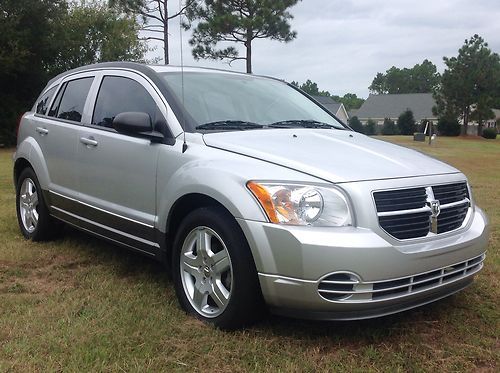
(131, 122)
(138, 124)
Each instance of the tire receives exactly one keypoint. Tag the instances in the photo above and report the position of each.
(216, 281)
(32, 213)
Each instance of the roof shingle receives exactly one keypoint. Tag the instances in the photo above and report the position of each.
(392, 105)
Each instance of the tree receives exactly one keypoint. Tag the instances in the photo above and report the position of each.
(471, 78)
(350, 100)
(356, 124)
(26, 48)
(39, 38)
(448, 126)
(240, 22)
(156, 15)
(421, 78)
(389, 127)
(406, 123)
(371, 127)
(311, 88)
(94, 33)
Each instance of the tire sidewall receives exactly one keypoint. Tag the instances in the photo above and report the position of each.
(43, 214)
(244, 287)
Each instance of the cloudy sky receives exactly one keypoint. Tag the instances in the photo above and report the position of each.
(342, 44)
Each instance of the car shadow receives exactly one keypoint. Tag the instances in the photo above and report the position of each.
(128, 263)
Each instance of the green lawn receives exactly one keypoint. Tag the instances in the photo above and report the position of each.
(78, 304)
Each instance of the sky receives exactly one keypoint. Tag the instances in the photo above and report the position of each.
(342, 44)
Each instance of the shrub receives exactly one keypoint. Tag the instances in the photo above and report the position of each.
(490, 133)
(389, 127)
(356, 124)
(448, 126)
(406, 123)
(371, 127)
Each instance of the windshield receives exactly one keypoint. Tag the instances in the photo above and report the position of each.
(234, 101)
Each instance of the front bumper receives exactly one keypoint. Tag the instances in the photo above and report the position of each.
(376, 278)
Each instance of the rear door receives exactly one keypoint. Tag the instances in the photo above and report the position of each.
(117, 172)
(57, 131)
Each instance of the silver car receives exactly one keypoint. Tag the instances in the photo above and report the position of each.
(249, 191)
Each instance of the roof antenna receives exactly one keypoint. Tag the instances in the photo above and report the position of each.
(183, 121)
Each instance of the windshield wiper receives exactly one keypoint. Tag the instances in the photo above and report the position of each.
(304, 123)
(227, 125)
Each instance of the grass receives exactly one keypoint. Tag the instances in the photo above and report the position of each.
(78, 304)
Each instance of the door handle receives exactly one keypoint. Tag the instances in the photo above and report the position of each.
(88, 141)
(42, 131)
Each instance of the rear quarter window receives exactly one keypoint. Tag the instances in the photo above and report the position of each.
(42, 105)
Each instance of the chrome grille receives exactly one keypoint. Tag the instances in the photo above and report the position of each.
(406, 213)
(452, 218)
(404, 199)
(449, 193)
(348, 288)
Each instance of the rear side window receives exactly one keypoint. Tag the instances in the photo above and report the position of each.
(71, 99)
(42, 104)
(118, 95)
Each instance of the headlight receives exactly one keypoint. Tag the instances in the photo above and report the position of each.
(302, 204)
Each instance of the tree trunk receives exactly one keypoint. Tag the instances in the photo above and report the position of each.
(248, 44)
(480, 127)
(466, 121)
(165, 34)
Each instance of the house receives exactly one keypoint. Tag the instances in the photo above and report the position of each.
(334, 107)
(379, 107)
(494, 121)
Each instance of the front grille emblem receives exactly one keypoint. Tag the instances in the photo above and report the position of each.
(435, 210)
(435, 207)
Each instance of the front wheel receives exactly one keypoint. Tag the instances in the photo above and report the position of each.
(214, 272)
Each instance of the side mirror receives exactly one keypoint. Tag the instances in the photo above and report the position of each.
(131, 122)
(138, 124)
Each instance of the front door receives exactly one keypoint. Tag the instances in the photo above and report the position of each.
(117, 172)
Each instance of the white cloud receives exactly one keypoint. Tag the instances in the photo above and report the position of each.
(341, 45)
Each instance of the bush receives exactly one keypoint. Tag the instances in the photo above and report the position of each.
(356, 124)
(389, 127)
(371, 127)
(406, 123)
(448, 126)
(490, 133)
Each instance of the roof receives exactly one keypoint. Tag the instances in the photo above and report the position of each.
(329, 103)
(392, 105)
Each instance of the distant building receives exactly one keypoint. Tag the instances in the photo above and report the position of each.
(379, 107)
(334, 107)
(493, 122)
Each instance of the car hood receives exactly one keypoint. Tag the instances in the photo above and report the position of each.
(333, 155)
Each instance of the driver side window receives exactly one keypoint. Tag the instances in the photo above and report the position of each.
(119, 94)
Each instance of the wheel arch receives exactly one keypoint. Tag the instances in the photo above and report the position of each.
(19, 165)
(185, 205)
(30, 154)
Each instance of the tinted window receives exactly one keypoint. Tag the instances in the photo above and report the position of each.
(118, 95)
(57, 101)
(73, 99)
(42, 104)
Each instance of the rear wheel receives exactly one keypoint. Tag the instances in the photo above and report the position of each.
(214, 273)
(32, 213)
